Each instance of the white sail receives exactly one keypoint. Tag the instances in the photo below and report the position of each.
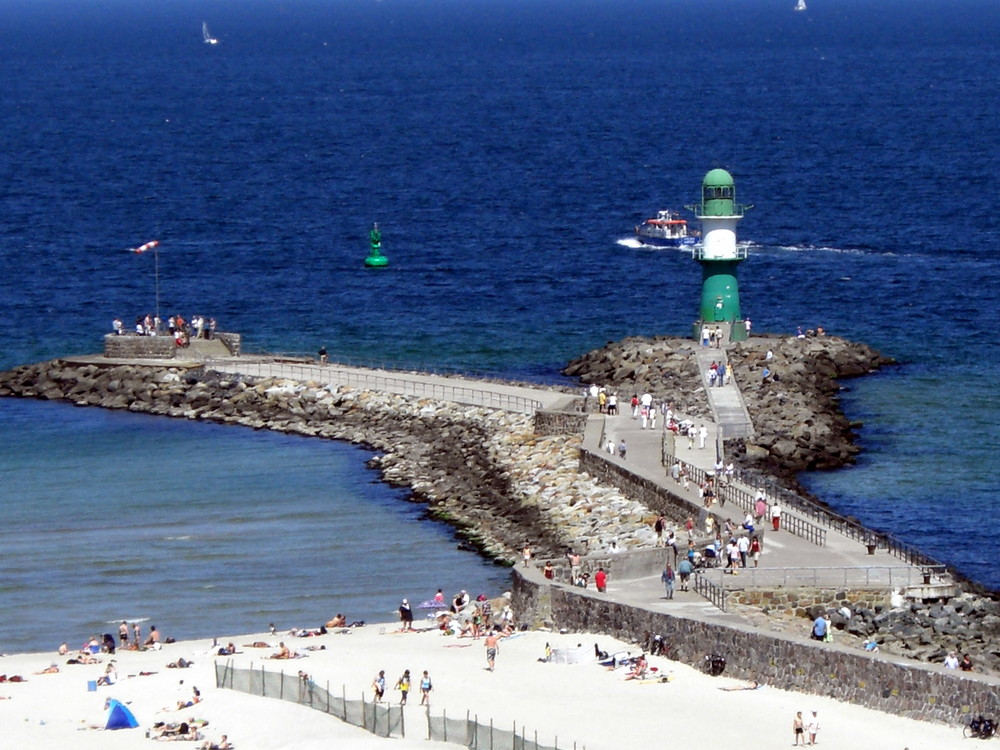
(209, 39)
(801, 5)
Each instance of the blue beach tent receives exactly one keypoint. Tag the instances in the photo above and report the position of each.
(119, 717)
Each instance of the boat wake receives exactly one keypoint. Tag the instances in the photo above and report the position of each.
(633, 243)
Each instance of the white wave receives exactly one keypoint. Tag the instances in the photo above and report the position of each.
(630, 242)
(813, 249)
(130, 620)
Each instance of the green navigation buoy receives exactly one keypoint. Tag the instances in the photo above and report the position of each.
(718, 253)
(375, 258)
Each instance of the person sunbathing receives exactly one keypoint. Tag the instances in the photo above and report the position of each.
(222, 744)
(338, 621)
(752, 685)
(282, 653)
(52, 669)
(638, 671)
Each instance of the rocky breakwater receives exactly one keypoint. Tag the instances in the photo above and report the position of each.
(663, 366)
(966, 624)
(798, 422)
(483, 471)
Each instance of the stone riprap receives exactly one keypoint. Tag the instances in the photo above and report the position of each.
(797, 419)
(664, 366)
(484, 471)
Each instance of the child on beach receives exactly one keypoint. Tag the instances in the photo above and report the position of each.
(403, 686)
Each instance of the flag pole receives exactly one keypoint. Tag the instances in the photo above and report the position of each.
(156, 272)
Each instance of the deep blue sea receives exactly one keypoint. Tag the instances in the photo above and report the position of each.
(506, 148)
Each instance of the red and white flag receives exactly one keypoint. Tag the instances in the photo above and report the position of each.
(144, 248)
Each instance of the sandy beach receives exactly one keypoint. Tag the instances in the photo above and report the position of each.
(581, 703)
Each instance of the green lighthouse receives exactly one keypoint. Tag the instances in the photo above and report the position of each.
(718, 254)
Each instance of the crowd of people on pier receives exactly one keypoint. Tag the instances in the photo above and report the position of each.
(181, 330)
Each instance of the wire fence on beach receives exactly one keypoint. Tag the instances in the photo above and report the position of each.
(380, 719)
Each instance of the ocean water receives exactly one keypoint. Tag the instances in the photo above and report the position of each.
(506, 150)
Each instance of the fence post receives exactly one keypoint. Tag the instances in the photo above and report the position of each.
(328, 696)
(281, 685)
(263, 690)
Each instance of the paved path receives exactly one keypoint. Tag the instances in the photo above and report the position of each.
(840, 561)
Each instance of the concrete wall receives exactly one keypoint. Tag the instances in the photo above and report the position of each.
(646, 491)
(876, 681)
(233, 341)
(139, 347)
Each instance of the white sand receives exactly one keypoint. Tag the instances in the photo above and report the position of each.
(581, 703)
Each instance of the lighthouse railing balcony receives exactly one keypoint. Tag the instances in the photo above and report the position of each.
(702, 210)
(698, 253)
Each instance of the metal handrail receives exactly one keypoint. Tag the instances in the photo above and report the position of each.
(375, 381)
(849, 527)
(739, 496)
(373, 363)
(710, 590)
(875, 576)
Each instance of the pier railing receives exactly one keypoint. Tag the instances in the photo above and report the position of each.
(380, 719)
(374, 380)
(714, 591)
(849, 527)
(742, 498)
(863, 577)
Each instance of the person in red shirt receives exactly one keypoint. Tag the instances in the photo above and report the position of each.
(601, 580)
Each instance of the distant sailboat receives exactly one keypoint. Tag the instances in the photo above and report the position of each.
(801, 5)
(209, 39)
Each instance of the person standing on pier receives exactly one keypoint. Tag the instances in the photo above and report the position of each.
(667, 576)
(776, 516)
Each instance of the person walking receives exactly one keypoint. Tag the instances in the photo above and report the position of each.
(798, 728)
(601, 580)
(812, 728)
(406, 615)
(378, 685)
(425, 689)
(775, 516)
(667, 576)
(492, 648)
(403, 686)
(684, 568)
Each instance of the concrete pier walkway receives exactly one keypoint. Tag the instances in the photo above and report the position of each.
(820, 557)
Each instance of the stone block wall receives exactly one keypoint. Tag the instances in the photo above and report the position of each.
(918, 691)
(796, 601)
(139, 347)
(549, 422)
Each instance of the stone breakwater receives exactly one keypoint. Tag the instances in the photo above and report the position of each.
(483, 471)
(798, 422)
